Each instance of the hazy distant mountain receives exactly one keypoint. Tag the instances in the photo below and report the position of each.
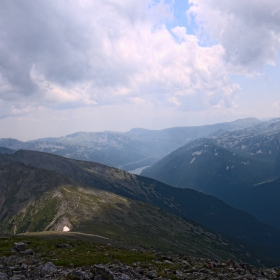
(135, 148)
(232, 166)
(6, 151)
(261, 141)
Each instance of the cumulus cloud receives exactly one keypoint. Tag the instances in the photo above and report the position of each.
(67, 54)
(248, 30)
(275, 105)
(70, 54)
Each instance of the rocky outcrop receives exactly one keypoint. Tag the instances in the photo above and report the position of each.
(24, 265)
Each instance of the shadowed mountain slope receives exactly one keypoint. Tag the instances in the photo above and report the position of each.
(6, 151)
(263, 201)
(35, 200)
(206, 210)
(204, 166)
(241, 168)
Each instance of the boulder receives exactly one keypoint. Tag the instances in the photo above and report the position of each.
(20, 246)
(49, 268)
(3, 276)
(103, 271)
(152, 274)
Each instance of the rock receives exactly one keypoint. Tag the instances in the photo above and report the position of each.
(123, 277)
(63, 245)
(81, 274)
(49, 268)
(117, 262)
(103, 271)
(169, 258)
(24, 266)
(139, 270)
(152, 267)
(28, 252)
(27, 265)
(3, 276)
(152, 274)
(209, 265)
(168, 262)
(186, 263)
(18, 277)
(179, 273)
(20, 246)
(99, 277)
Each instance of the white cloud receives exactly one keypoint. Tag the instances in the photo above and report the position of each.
(137, 100)
(276, 105)
(248, 30)
(107, 55)
(173, 100)
(77, 53)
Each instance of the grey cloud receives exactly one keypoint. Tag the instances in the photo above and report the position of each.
(248, 30)
(68, 53)
(44, 34)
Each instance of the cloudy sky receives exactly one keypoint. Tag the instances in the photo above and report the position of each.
(95, 65)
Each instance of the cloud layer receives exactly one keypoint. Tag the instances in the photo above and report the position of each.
(70, 54)
(248, 30)
(66, 54)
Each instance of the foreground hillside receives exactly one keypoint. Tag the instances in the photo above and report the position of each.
(39, 200)
(73, 257)
(206, 210)
(40, 191)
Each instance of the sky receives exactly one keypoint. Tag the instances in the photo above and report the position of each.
(96, 65)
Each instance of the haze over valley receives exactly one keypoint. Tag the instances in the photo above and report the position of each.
(237, 163)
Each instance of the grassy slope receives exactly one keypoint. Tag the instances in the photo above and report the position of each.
(77, 250)
(186, 203)
(68, 250)
(58, 201)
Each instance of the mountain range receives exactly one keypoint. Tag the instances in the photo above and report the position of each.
(41, 191)
(128, 150)
(240, 167)
(192, 199)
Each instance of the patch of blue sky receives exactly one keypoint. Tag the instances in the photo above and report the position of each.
(181, 19)
(268, 76)
(260, 92)
(180, 8)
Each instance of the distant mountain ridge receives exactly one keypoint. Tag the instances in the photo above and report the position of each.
(260, 141)
(204, 166)
(128, 150)
(240, 167)
(6, 150)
